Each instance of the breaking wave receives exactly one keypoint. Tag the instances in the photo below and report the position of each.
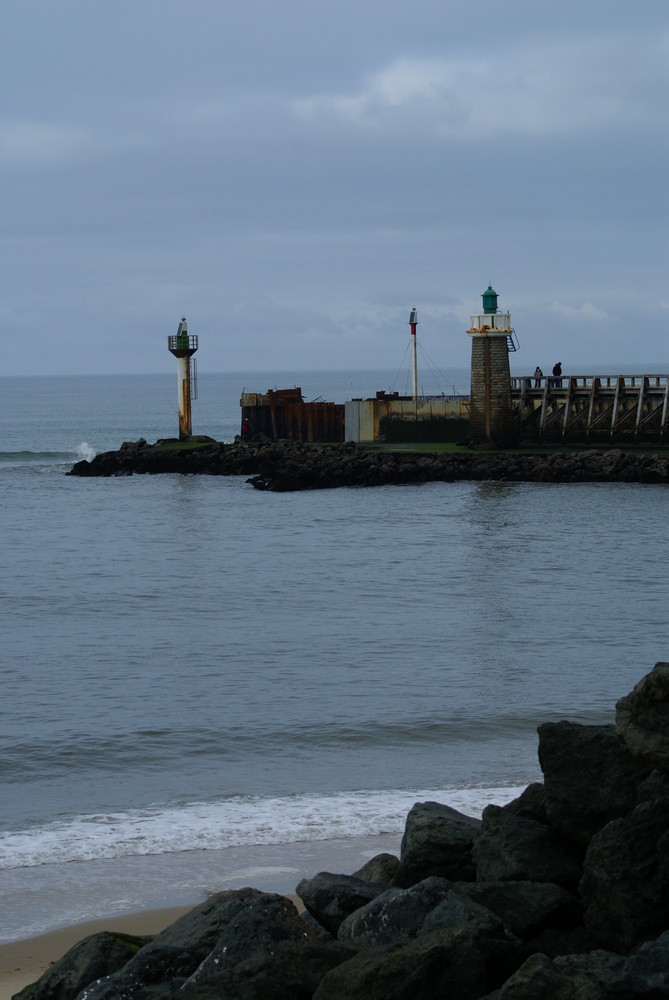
(85, 452)
(238, 821)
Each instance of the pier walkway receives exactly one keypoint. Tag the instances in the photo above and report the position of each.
(605, 409)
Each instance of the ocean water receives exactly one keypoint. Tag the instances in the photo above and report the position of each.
(205, 686)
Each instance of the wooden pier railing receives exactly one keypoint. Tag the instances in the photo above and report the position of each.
(610, 409)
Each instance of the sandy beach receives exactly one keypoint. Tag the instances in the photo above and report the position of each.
(23, 962)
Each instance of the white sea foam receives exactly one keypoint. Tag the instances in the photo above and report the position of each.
(85, 452)
(233, 822)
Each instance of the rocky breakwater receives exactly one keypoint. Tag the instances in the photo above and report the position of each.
(198, 456)
(290, 465)
(562, 893)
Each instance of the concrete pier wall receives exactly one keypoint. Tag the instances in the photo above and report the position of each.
(392, 418)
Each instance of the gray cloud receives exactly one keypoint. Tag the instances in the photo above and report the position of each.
(295, 177)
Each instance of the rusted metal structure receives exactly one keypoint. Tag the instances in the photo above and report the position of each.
(592, 409)
(387, 417)
(283, 414)
(183, 346)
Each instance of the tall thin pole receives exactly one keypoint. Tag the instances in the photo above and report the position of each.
(413, 322)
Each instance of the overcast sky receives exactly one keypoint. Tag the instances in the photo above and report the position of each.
(295, 175)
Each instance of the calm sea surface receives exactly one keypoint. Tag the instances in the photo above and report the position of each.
(205, 686)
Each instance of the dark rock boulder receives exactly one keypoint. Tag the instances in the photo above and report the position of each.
(597, 975)
(134, 445)
(646, 972)
(175, 954)
(586, 977)
(380, 869)
(554, 941)
(625, 884)
(291, 971)
(464, 962)
(527, 908)
(509, 847)
(315, 927)
(398, 915)
(437, 841)
(259, 924)
(530, 804)
(590, 777)
(331, 898)
(95, 957)
(654, 788)
(642, 718)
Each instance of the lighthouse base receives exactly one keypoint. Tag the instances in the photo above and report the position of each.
(490, 412)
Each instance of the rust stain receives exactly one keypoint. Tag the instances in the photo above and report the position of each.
(283, 414)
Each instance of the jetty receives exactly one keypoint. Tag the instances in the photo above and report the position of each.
(500, 410)
(589, 409)
(604, 410)
(538, 428)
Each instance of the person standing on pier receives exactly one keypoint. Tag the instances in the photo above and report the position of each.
(557, 372)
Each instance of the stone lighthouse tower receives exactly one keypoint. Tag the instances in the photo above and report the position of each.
(490, 416)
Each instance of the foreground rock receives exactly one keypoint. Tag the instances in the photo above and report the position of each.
(95, 957)
(466, 962)
(598, 975)
(289, 465)
(641, 718)
(562, 893)
(590, 777)
(437, 840)
(331, 898)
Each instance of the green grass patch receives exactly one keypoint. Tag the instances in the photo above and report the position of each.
(181, 446)
(420, 447)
